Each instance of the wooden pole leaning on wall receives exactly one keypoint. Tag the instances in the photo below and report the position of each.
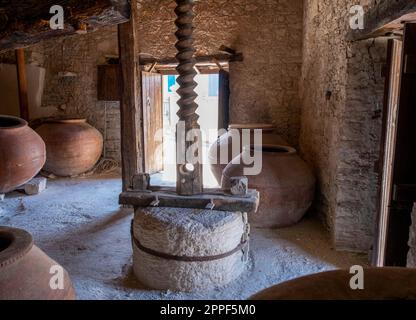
(189, 174)
(131, 111)
(22, 84)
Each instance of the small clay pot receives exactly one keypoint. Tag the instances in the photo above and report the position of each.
(73, 146)
(225, 144)
(286, 185)
(22, 153)
(379, 284)
(26, 271)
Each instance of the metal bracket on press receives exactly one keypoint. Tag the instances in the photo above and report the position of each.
(246, 237)
(155, 203)
(211, 205)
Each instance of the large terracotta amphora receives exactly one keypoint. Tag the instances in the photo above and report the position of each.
(286, 184)
(379, 284)
(22, 153)
(73, 146)
(223, 150)
(27, 273)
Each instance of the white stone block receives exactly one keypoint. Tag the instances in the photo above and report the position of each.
(188, 233)
(35, 186)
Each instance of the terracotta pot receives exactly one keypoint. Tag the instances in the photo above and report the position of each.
(286, 185)
(22, 153)
(73, 146)
(224, 145)
(25, 270)
(379, 283)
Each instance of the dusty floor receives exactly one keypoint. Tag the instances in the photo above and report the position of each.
(79, 223)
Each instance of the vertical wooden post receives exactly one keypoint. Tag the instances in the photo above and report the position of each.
(131, 114)
(387, 145)
(189, 175)
(22, 84)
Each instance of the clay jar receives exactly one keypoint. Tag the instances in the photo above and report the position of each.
(73, 146)
(380, 284)
(286, 185)
(22, 153)
(26, 271)
(225, 144)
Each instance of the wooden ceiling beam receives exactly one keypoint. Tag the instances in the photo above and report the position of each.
(210, 60)
(385, 19)
(26, 22)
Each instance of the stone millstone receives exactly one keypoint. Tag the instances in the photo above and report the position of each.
(191, 233)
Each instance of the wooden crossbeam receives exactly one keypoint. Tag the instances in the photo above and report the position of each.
(199, 60)
(215, 201)
(26, 22)
(384, 19)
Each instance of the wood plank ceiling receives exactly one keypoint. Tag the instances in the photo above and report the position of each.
(26, 22)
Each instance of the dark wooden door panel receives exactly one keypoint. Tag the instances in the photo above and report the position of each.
(224, 100)
(403, 159)
(152, 121)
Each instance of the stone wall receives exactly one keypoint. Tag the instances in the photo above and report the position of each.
(77, 95)
(342, 93)
(264, 88)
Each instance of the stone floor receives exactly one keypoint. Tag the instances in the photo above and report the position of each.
(79, 223)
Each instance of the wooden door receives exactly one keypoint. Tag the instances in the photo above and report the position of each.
(388, 144)
(399, 171)
(152, 121)
(224, 100)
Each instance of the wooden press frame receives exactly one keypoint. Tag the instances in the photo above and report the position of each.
(191, 194)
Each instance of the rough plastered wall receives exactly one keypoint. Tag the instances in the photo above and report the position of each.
(264, 88)
(77, 96)
(342, 94)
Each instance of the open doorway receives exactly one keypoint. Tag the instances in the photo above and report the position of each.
(398, 155)
(164, 173)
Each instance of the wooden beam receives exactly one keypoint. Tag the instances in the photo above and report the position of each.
(209, 60)
(384, 166)
(227, 50)
(384, 19)
(22, 84)
(202, 70)
(26, 22)
(215, 201)
(170, 189)
(131, 111)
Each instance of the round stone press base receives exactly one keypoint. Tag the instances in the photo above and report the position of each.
(188, 249)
